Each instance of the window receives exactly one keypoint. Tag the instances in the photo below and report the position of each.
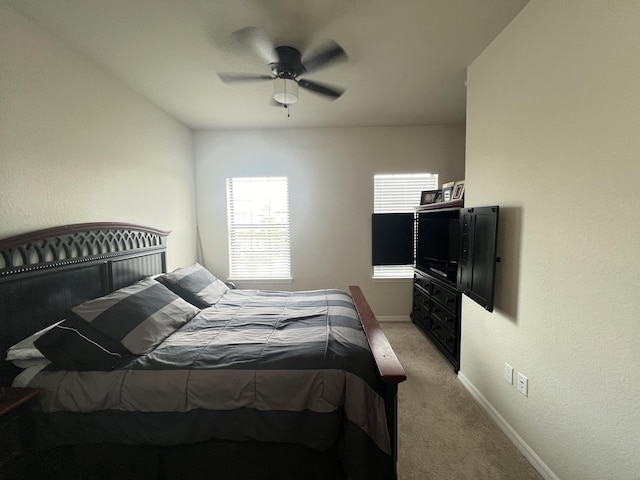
(258, 216)
(399, 194)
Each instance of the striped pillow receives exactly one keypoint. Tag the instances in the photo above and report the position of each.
(195, 284)
(139, 316)
(74, 345)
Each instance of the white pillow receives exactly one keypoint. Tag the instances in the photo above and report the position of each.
(31, 362)
(25, 376)
(25, 350)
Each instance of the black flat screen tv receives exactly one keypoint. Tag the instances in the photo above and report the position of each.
(438, 249)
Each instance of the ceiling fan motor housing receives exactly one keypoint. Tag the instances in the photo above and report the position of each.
(289, 65)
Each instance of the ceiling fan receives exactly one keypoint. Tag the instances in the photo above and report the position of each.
(287, 66)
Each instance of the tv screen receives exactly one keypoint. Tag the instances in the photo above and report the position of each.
(439, 246)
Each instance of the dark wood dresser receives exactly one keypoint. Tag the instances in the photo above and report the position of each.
(14, 425)
(436, 310)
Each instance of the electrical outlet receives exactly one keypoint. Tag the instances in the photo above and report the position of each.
(508, 374)
(523, 384)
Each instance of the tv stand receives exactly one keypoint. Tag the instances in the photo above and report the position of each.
(436, 310)
(448, 239)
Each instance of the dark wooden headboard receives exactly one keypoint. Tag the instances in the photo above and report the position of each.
(45, 273)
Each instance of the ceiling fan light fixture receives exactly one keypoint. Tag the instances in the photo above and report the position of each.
(285, 91)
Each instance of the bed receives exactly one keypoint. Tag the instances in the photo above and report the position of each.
(224, 374)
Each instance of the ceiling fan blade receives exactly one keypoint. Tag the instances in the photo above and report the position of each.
(242, 77)
(330, 53)
(326, 90)
(258, 42)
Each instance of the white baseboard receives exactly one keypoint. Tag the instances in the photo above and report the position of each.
(516, 439)
(394, 318)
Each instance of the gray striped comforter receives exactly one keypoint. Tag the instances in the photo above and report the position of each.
(258, 365)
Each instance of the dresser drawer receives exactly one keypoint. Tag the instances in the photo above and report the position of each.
(446, 318)
(423, 321)
(420, 310)
(447, 339)
(420, 297)
(447, 298)
(9, 437)
(423, 282)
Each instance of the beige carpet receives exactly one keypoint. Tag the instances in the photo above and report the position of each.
(443, 432)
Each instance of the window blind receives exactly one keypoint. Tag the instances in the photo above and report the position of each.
(399, 193)
(258, 220)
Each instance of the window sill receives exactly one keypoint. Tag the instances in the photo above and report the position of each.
(250, 281)
(392, 279)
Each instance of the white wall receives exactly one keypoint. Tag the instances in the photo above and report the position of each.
(553, 116)
(78, 146)
(330, 175)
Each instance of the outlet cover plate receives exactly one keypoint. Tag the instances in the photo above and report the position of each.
(523, 384)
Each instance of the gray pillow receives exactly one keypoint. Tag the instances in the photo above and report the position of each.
(195, 284)
(139, 316)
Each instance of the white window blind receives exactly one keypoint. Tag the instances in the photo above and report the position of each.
(399, 193)
(258, 217)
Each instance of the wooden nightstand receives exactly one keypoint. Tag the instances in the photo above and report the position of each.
(14, 422)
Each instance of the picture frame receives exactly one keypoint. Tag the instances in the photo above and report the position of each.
(458, 191)
(429, 196)
(447, 191)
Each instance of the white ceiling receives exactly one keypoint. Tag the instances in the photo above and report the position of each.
(407, 58)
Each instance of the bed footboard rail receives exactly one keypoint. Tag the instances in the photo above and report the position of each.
(389, 367)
